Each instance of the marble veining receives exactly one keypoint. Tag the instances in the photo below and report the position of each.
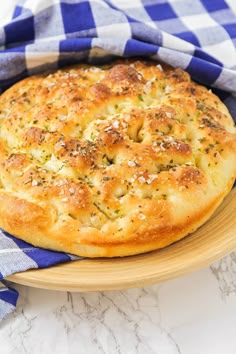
(195, 314)
(225, 273)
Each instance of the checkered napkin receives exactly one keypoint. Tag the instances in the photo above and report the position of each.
(199, 36)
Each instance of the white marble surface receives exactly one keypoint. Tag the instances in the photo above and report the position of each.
(195, 314)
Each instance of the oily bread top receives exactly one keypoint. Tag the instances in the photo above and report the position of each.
(113, 160)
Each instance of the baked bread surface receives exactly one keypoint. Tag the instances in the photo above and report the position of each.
(113, 160)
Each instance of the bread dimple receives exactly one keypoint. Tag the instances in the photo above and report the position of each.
(112, 160)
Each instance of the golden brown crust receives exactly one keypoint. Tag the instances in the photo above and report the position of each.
(113, 160)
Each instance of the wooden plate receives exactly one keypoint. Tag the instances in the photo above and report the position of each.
(211, 242)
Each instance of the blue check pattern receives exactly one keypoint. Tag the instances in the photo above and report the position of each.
(198, 36)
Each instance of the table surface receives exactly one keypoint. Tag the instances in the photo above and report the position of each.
(190, 315)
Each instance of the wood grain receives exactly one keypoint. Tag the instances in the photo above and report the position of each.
(212, 241)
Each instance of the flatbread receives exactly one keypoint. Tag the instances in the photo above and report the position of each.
(113, 160)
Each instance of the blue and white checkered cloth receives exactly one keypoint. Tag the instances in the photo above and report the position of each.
(198, 36)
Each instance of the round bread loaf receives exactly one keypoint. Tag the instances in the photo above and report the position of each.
(113, 160)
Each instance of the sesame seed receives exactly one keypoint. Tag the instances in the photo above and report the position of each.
(181, 188)
(60, 183)
(116, 124)
(148, 85)
(131, 163)
(75, 153)
(139, 77)
(162, 147)
(141, 179)
(94, 69)
(108, 129)
(62, 117)
(64, 200)
(168, 89)
(151, 178)
(49, 86)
